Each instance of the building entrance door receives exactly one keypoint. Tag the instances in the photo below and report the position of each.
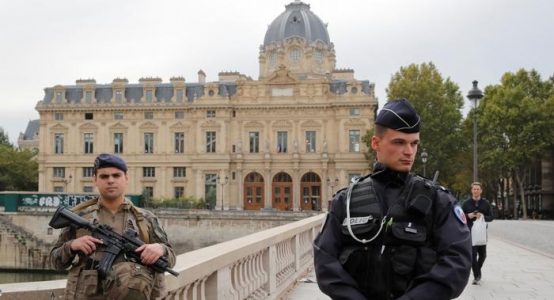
(254, 191)
(282, 191)
(310, 187)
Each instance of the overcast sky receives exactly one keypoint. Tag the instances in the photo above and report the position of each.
(44, 43)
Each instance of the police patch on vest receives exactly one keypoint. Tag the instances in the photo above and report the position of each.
(460, 215)
(357, 220)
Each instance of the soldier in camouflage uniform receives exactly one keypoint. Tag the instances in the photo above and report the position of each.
(80, 252)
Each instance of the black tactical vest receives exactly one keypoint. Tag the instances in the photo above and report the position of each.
(400, 247)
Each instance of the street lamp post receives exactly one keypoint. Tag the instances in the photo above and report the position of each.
(332, 184)
(66, 182)
(222, 181)
(475, 94)
(424, 157)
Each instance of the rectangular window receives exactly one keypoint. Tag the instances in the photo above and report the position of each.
(355, 111)
(148, 172)
(180, 95)
(210, 141)
(88, 96)
(148, 192)
(59, 172)
(118, 142)
(88, 189)
(179, 115)
(149, 96)
(310, 141)
(179, 142)
(58, 116)
(118, 96)
(254, 138)
(148, 115)
(179, 172)
(210, 114)
(59, 97)
(148, 142)
(179, 192)
(89, 116)
(354, 140)
(58, 189)
(58, 143)
(118, 115)
(89, 143)
(88, 171)
(282, 140)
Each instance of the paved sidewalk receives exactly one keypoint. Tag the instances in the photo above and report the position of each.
(511, 271)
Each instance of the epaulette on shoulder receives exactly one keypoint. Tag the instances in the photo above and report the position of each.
(430, 183)
(442, 188)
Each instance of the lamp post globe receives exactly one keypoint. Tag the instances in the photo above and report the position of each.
(424, 157)
(474, 95)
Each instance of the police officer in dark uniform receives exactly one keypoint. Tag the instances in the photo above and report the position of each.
(393, 234)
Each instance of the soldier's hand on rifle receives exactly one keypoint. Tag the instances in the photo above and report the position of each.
(85, 244)
(150, 253)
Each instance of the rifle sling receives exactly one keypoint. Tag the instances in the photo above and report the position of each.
(143, 230)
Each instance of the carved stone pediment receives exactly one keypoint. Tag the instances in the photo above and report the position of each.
(118, 126)
(254, 124)
(179, 125)
(58, 127)
(355, 122)
(148, 125)
(88, 126)
(311, 124)
(281, 124)
(210, 124)
(281, 76)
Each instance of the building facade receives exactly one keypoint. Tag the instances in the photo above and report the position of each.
(285, 141)
(29, 139)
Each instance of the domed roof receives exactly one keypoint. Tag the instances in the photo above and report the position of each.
(297, 20)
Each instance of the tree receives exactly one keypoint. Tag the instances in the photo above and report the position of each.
(515, 124)
(4, 139)
(438, 101)
(18, 170)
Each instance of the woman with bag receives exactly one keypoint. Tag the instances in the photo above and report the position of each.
(478, 211)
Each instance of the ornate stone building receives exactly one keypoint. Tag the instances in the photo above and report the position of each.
(286, 141)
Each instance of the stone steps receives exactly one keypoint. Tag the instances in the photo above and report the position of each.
(20, 249)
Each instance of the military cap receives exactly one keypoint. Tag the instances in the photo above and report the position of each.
(399, 115)
(106, 160)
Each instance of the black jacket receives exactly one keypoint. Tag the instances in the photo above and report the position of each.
(483, 206)
(451, 240)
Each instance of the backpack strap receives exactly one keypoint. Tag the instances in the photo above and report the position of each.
(141, 223)
(84, 205)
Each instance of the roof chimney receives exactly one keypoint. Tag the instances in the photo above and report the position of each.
(201, 77)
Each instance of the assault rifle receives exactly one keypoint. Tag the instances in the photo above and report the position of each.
(115, 243)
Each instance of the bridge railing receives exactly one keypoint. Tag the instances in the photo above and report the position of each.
(263, 265)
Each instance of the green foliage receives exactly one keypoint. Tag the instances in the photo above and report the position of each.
(4, 139)
(370, 155)
(438, 102)
(515, 124)
(184, 202)
(515, 120)
(18, 169)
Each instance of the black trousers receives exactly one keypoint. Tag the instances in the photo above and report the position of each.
(479, 255)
